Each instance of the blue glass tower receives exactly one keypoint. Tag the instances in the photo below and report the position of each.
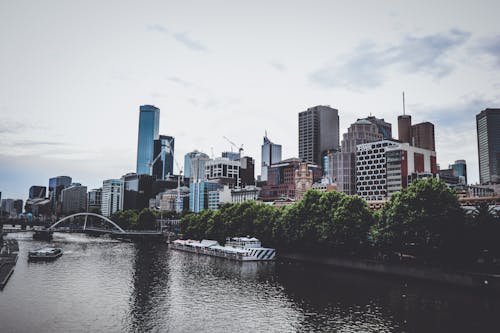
(164, 150)
(149, 122)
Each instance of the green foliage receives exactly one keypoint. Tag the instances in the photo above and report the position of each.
(146, 220)
(126, 219)
(425, 219)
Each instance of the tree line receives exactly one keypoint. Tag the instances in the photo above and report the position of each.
(424, 222)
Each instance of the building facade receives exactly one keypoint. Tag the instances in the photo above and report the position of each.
(318, 133)
(198, 194)
(281, 183)
(111, 196)
(136, 191)
(74, 199)
(94, 200)
(271, 154)
(194, 165)
(342, 168)
(385, 167)
(419, 135)
(225, 170)
(149, 122)
(56, 185)
(488, 145)
(164, 156)
(247, 171)
(37, 192)
(460, 170)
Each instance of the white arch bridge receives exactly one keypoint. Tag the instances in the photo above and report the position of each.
(119, 231)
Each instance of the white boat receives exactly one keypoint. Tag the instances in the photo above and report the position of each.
(45, 253)
(236, 248)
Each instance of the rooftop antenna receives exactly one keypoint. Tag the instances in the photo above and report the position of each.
(404, 109)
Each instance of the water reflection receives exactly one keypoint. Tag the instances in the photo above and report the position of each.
(101, 285)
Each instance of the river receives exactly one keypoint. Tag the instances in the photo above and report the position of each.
(102, 285)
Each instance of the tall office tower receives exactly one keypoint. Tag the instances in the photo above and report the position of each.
(271, 154)
(94, 200)
(56, 185)
(404, 128)
(149, 122)
(460, 170)
(136, 191)
(74, 199)
(318, 133)
(383, 127)
(196, 166)
(37, 192)
(163, 157)
(247, 171)
(187, 161)
(111, 196)
(488, 145)
(422, 136)
(343, 165)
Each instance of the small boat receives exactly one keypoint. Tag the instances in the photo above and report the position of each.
(45, 253)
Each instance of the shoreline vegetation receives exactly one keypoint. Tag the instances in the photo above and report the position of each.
(423, 225)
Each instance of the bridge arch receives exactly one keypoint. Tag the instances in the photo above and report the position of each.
(87, 214)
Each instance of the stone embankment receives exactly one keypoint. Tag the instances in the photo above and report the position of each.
(9, 250)
(435, 274)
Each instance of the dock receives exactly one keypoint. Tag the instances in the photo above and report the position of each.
(9, 251)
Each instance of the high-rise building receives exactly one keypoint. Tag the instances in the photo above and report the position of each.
(386, 166)
(74, 199)
(343, 164)
(37, 192)
(488, 144)
(164, 156)
(247, 171)
(149, 122)
(419, 135)
(404, 128)
(136, 191)
(194, 165)
(111, 196)
(94, 200)
(383, 127)
(224, 170)
(318, 133)
(198, 194)
(56, 185)
(422, 136)
(460, 170)
(271, 154)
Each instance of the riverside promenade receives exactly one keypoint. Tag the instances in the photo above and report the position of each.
(9, 250)
(411, 271)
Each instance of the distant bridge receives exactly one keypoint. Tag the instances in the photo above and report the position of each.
(52, 227)
(117, 231)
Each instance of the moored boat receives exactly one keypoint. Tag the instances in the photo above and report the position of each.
(236, 248)
(45, 253)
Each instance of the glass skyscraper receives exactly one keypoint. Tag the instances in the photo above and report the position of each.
(149, 122)
(164, 166)
(271, 154)
(488, 144)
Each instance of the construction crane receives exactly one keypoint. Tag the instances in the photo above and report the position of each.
(240, 149)
(178, 200)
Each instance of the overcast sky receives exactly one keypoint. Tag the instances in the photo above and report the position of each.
(73, 74)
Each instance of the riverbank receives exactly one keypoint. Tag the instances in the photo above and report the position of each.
(434, 274)
(9, 251)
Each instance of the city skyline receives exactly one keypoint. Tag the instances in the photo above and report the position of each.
(71, 91)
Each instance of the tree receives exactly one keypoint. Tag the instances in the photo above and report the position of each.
(126, 219)
(425, 219)
(146, 220)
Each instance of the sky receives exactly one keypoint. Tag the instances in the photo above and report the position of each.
(74, 73)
